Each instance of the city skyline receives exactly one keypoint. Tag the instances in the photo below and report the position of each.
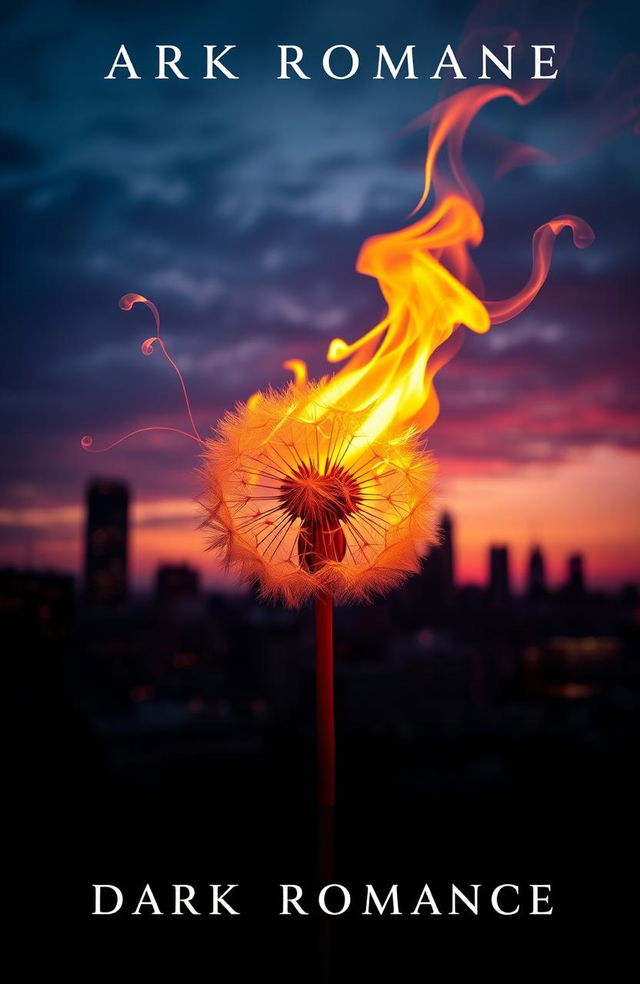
(107, 534)
(166, 531)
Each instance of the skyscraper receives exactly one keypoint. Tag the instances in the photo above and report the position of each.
(575, 580)
(106, 542)
(433, 593)
(499, 584)
(537, 580)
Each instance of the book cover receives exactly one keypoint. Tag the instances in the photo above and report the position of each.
(319, 533)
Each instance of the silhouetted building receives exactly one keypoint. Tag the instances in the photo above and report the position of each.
(432, 595)
(447, 561)
(175, 582)
(575, 578)
(499, 583)
(106, 543)
(537, 580)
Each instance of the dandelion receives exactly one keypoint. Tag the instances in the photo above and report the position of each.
(299, 501)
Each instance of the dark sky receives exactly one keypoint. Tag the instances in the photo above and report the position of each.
(239, 208)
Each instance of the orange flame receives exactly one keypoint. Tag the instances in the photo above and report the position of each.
(431, 287)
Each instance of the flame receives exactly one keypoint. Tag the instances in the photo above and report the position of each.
(431, 287)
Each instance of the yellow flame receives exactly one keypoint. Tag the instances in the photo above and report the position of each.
(426, 276)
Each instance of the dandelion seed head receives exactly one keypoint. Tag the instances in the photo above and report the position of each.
(299, 501)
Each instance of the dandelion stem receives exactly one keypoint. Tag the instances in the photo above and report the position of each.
(325, 729)
(324, 700)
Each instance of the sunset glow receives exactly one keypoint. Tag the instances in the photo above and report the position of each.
(565, 508)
